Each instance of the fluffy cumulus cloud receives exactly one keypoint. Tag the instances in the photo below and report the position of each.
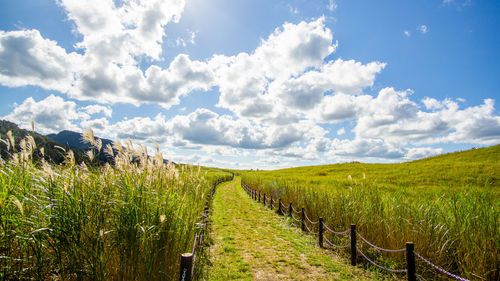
(287, 79)
(116, 39)
(26, 58)
(205, 127)
(51, 114)
(280, 97)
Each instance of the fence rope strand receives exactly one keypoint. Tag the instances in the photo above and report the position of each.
(297, 220)
(307, 218)
(194, 242)
(335, 232)
(379, 266)
(336, 246)
(378, 248)
(314, 233)
(295, 210)
(439, 268)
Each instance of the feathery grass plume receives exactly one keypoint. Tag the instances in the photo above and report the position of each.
(108, 150)
(88, 136)
(18, 203)
(159, 159)
(47, 169)
(42, 151)
(117, 145)
(31, 142)
(32, 125)
(129, 145)
(71, 158)
(60, 148)
(90, 155)
(6, 142)
(12, 140)
(349, 177)
(24, 150)
(98, 144)
(157, 147)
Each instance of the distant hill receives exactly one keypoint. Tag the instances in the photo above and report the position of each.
(52, 154)
(474, 167)
(74, 140)
(489, 154)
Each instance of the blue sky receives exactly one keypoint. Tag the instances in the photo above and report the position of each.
(258, 84)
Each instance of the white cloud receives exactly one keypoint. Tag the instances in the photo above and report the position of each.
(205, 127)
(423, 29)
(142, 129)
(392, 116)
(422, 152)
(332, 5)
(341, 131)
(28, 59)
(431, 103)
(115, 40)
(407, 33)
(293, 10)
(51, 115)
(95, 109)
(362, 148)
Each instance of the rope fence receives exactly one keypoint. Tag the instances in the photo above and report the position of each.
(354, 249)
(188, 260)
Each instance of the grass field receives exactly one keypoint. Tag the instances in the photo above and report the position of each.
(252, 243)
(78, 222)
(447, 205)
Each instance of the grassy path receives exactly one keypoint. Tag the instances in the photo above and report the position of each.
(253, 243)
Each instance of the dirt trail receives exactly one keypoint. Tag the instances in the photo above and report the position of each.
(253, 243)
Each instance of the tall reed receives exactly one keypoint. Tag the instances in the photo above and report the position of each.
(456, 228)
(129, 221)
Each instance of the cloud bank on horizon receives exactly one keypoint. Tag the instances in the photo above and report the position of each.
(276, 105)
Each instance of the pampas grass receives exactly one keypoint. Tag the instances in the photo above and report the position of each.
(129, 221)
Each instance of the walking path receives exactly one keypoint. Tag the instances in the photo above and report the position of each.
(253, 243)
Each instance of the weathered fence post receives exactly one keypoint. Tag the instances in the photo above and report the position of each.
(303, 225)
(410, 261)
(320, 231)
(259, 196)
(271, 202)
(279, 207)
(186, 266)
(290, 210)
(353, 244)
(264, 200)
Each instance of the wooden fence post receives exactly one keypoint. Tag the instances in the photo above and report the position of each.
(410, 261)
(303, 225)
(353, 244)
(279, 207)
(290, 210)
(186, 266)
(259, 196)
(320, 231)
(271, 202)
(264, 201)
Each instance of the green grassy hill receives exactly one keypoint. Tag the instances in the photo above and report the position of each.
(448, 205)
(476, 167)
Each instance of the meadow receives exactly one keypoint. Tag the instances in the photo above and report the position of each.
(77, 221)
(447, 205)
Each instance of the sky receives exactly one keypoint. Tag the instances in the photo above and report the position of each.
(261, 84)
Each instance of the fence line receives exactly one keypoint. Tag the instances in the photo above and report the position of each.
(409, 249)
(188, 260)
